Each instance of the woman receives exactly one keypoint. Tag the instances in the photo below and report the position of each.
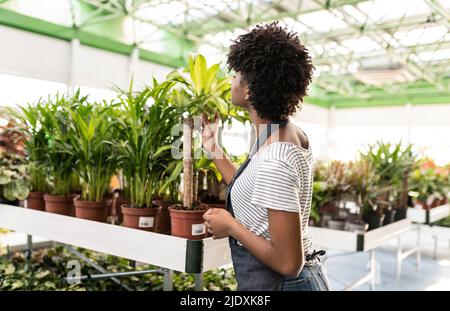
(269, 196)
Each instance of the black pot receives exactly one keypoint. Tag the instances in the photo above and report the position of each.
(5, 201)
(389, 217)
(400, 213)
(373, 220)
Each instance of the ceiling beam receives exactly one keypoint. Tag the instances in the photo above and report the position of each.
(200, 31)
(28, 23)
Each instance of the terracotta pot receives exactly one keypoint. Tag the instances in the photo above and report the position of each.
(36, 201)
(217, 205)
(116, 205)
(62, 205)
(163, 220)
(188, 224)
(140, 218)
(435, 203)
(91, 210)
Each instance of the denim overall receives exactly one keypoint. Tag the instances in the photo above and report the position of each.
(251, 273)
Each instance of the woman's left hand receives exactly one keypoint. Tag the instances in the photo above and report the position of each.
(219, 222)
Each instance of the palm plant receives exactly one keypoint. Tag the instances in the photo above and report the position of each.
(29, 124)
(92, 133)
(58, 158)
(143, 152)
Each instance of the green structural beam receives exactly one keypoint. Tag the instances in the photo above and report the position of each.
(20, 21)
(212, 24)
(380, 101)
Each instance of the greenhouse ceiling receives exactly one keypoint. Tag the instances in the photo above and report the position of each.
(366, 53)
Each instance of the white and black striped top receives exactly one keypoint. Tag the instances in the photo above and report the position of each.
(279, 176)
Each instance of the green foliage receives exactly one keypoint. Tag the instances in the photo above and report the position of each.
(49, 270)
(28, 118)
(92, 132)
(14, 183)
(203, 91)
(429, 181)
(59, 157)
(145, 143)
(391, 162)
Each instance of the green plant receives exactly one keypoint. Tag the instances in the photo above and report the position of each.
(202, 92)
(58, 159)
(319, 198)
(364, 185)
(29, 125)
(14, 183)
(428, 181)
(93, 133)
(48, 271)
(143, 152)
(392, 164)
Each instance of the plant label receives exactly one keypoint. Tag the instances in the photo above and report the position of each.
(198, 229)
(146, 222)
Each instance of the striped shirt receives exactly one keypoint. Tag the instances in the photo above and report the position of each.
(279, 176)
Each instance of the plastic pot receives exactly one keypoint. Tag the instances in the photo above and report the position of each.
(36, 201)
(188, 224)
(140, 218)
(57, 204)
(92, 210)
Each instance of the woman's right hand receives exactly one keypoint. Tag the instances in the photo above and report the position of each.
(209, 133)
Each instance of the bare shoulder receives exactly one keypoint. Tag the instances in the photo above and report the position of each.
(294, 135)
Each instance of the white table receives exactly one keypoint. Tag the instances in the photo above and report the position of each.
(368, 242)
(165, 251)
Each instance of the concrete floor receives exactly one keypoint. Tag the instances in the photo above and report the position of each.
(433, 274)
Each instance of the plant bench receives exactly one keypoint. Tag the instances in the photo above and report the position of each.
(165, 251)
(367, 242)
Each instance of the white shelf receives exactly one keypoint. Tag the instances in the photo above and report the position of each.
(428, 216)
(153, 248)
(358, 241)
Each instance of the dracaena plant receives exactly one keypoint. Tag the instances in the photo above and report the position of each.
(58, 158)
(93, 132)
(29, 125)
(143, 151)
(202, 91)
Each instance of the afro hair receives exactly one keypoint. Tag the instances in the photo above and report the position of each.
(277, 68)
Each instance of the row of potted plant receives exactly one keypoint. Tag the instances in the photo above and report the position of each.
(74, 147)
(376, 189)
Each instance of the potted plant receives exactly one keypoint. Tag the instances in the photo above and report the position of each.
(58, 159)
(35, 142)
(168, 194)
(201, 92)
(391, 163)
(93, 132)
(428, 184)
(335, 174)
(146, 124)
(14, 184)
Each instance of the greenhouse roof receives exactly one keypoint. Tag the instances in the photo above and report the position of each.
(367, 53)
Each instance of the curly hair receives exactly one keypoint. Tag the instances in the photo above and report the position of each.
(276, 66)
